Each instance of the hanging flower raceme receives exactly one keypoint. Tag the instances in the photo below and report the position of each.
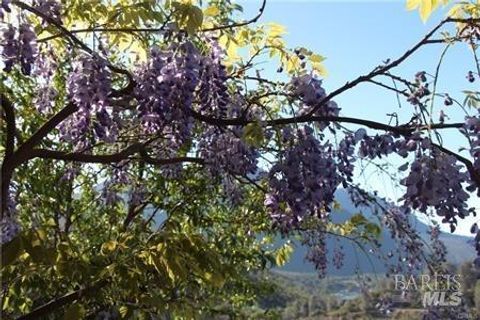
(9, 225)
(44, 69)
(316, 242)
(304, 180)
(472, 131)
(9, 47)
(397, 220)
(19, 47)
(375, 146)
(4, 7)
(385, 144)
(50, 8)
(213, 91)
(165, 86)
(226, 152)
(117, 179)
(310, 91)
(224, 149)
(435, 181)
(89, 86)
(345, 157)
(165, 92)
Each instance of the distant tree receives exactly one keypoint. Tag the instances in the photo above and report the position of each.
(477, 296)
(468, 279)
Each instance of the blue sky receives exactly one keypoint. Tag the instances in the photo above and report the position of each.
(356, 36)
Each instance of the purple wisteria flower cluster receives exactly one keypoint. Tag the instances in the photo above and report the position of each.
(224, 149)
(165, 89)
(50, 8)
(4, 7)
(472, 131)
(89, 87)
(303, 182)
(213, 91)
(9, 225)
(44, 68)
(439, 251)
(435, 181)
(420, 90)
(19, 46)
(398, 221)
(309, 90)
(385, 144)
(316, 241)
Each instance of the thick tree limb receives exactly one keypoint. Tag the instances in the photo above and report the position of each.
(22, 154)
(8, 109)
(9, 113)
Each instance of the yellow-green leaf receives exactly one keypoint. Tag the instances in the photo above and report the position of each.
(316, 58)
(276, 30)
(211, 11)
(425, 7)
(283, 254)
(124, 312)
(413, 4)
(109, 246)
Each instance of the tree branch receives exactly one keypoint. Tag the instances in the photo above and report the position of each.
(9, 149)
(468, 164)
(159, 29)
(85, 157)
(62, 301)
(240, 24)
(402, 129)
(70, 35)
(109, 158)
(10, 121)
(22, 154)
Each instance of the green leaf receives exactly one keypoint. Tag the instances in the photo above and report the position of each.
(413, 4)
(189, 17)
(336, 205)
(373, 229)
(426, 9)
(195, 19)
(358, 219)
(74, 312)
(253, 134)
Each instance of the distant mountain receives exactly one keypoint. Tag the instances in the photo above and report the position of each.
(458, 248)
